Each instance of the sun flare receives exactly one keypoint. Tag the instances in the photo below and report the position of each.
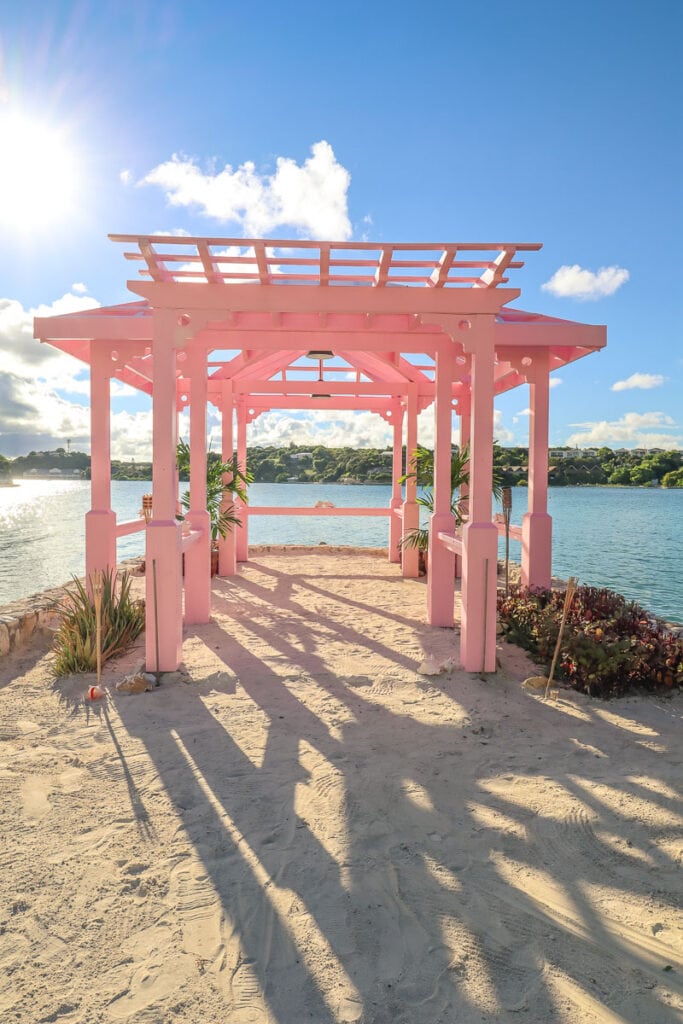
(38, 174)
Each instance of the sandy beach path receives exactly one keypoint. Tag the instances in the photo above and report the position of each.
(303, 828)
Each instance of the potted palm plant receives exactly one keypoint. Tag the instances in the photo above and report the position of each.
(422, 462)
(223, 519)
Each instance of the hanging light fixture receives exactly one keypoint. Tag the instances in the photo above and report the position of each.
(320, 356)
(320, 353)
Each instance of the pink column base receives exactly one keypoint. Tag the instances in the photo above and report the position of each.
(410, 557)
(537, 537)
(227, 555)
(100, 541)
(395, 527)
(198, 571)
(440, 573)
(163, 547)
(478, 605)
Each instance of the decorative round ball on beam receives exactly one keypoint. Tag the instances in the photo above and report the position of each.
(464, 325)
(184, 320)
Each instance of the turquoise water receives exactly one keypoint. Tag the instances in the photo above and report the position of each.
(628, 539)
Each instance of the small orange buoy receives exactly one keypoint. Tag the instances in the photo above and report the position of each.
(95, 693)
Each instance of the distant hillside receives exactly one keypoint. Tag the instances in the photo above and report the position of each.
(317, 464)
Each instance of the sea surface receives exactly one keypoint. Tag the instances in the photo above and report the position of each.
(628, 539)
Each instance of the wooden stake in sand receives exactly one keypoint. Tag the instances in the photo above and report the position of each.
(97, 587)
(157, 673)
(571, 588)
(507, 511)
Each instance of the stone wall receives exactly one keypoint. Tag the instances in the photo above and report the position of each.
(21, 621)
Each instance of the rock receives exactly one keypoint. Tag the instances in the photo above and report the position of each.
(134, 684)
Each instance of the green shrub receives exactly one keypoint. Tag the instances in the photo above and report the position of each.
(123, 619)
(609, 644)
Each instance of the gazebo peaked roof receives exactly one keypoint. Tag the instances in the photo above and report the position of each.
(257, 324)
(275, 336)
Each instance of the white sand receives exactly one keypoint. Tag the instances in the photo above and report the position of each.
(307, 830)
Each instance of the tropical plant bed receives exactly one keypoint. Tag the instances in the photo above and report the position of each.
(610, 646)
(122, 620)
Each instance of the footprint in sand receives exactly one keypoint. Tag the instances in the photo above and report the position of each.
(198, 909)
(35, 796)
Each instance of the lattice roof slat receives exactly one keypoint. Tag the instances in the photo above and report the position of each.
(170, 258)
(440, 273)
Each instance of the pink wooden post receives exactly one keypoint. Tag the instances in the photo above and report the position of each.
(100, 521)
(537, 525)
(464, 411)
(410, 557)
(163, 577)
(227, 546)
(441, 569)
(243, 530)
(198, 554)
(480, 537)
(395, 526)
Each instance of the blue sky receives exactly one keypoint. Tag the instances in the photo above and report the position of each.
(391, 121)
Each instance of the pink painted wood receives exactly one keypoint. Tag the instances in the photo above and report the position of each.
(423, 322)
(227, 546)
(100, 521)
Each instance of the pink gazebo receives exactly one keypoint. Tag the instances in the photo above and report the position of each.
(252, 325)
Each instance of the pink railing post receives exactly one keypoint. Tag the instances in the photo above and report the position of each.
(441, 564)
(100, 521)
(395, 526)
(163, 575)
(410, 556)
(227, 546)
(480, 536)
(537, 525)
(198, 555)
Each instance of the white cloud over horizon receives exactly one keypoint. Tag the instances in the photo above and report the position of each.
(638, 429)
(643, 381)
(575, 282)
(311, 197)
(36, 379)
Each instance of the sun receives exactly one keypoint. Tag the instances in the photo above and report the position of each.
(38, 174)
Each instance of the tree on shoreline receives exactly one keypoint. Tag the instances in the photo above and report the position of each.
(318, 464)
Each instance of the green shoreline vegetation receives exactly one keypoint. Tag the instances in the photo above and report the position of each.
(317, 464)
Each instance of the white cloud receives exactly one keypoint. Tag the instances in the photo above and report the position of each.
(333, 429)
(117, 389)
(555, 382)
(79, 287)
(312, 198)
(30, 407)
(644, 381)
(576, 283)
(35, 379)
(125, 177)
(633, 428)
(20, 353)
(131, 436)
(501, 432)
